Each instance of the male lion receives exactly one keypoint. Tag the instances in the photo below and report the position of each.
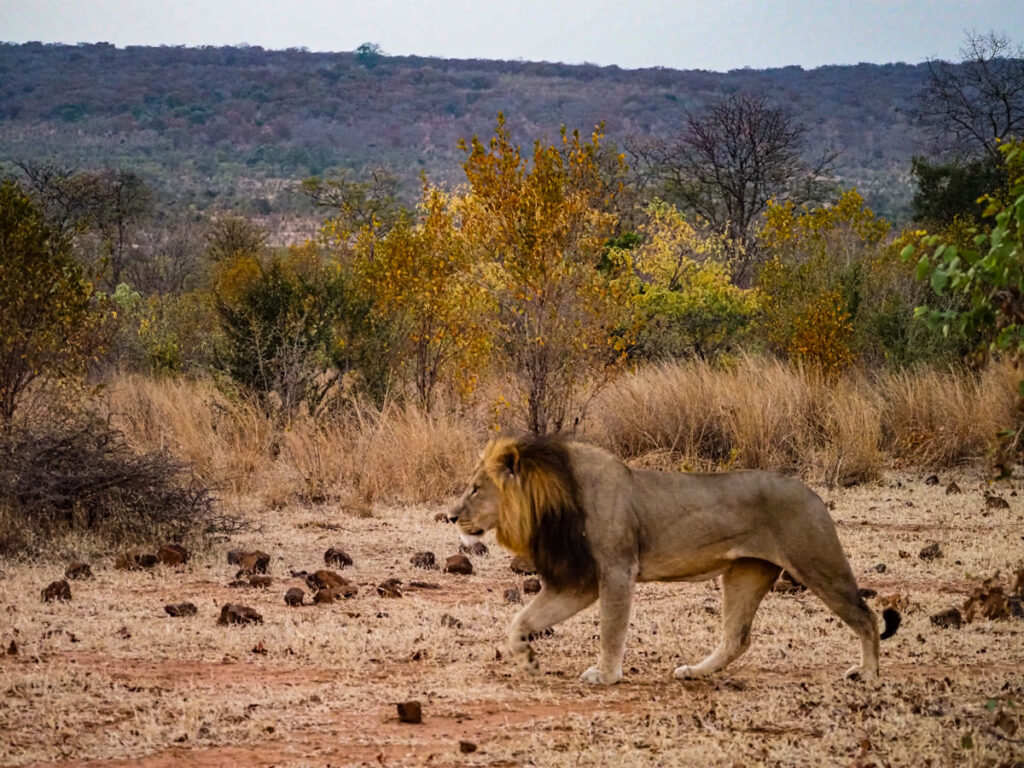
(594, 527)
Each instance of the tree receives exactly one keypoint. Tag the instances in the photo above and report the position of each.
(356, 204)
(420, 279)
(232, 236)
(122, 200)
(729, 162)
(974, 106)
(950, 190)
(540, 226)
(45, 301)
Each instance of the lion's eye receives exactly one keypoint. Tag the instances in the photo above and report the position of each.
(475, 489)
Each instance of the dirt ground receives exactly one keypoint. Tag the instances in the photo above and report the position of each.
(109, 679)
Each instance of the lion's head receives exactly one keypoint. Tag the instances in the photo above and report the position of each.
(525, 490)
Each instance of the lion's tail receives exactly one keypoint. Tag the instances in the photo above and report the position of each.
(892, 620)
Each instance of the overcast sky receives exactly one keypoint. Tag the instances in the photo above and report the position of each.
(685, 34)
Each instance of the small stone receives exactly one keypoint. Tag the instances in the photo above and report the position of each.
(477, 548)
(931, 480)
(12, 649)
(948, 619)
(337, 558)
(996, 502)
(523, 565)
(424, 585)
(57, 590)
(880, 568)
(390, 588)
(450, 622)
(441, 517)
(232, 613)
(425, 560)
(458, 564)
(904, 554)
(410, 712)
(323, 596)
(172, 554)
(531, 586)
(294, 596)
(77, 570)
(180, 609)
(931, 552)
(252, 562)
(953, 488)
(124, 633)
(512, 596)
(467, 747)
(260, 582)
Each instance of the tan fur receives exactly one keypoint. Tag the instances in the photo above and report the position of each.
(597, 527)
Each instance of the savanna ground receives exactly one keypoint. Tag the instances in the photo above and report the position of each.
(110, 679)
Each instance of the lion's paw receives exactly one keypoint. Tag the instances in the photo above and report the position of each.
(594, 676)
(860, 674)
(686, 672)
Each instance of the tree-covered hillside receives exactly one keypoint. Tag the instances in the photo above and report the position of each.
(238, 127)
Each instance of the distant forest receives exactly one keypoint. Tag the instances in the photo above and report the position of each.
(237, 128)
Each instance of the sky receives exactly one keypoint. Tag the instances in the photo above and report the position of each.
(716, 35)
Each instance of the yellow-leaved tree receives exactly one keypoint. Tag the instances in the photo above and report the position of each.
(538, 226)
(685, 297)
(419, 276)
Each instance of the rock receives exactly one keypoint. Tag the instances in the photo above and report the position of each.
(12, 649)
(477, 548)
(931, 480)
(181, 609)
(451, 622)
(390, 588)
(337, 557)
(294, 596)
(410, 712)
(172, 554)
(57, 590)
(425, 560)
(424, 585)
(880, 568)
(467, 747)
(441, 517)
(996, 502)
(531, 586)
(77, 570)
(326, 579)
(232, 613)
(953, 488)
(252, 562)
(512, 596)
(458, 564)
(948, 619)
(260, 581)
(931, 552)
(522, 565)
(787, 583)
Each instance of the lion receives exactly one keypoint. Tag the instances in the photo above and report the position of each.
(593, 528)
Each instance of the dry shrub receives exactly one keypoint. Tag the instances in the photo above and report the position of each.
(77, 474)
(938, 418)
(765, 414)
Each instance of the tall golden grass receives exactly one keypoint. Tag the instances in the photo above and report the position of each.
(752, 413)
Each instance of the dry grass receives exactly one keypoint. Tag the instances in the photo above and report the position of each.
(109, 677)
(765, 414)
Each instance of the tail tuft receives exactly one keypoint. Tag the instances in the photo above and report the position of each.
(892, 620)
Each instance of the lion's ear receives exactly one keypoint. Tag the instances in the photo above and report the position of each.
(510, 463)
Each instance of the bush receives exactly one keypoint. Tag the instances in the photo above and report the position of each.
(78, 475)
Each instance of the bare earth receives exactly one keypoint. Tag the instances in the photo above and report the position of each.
(110, 679)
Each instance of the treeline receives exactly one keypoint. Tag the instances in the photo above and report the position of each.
(232, 128)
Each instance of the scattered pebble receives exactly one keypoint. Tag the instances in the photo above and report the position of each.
(450, 621)
(996, 502)
(948, 619)
(512, 596)
(260, 582)
(57, 590)
(953, 488)
(181, 609)
(410, 712)
(390, 588)
(294, 596)
(522, 565)
(477, 548)
(931, 552)
(467, 747)
(458, 564)
(78, 570)
(425, 560)
(232, 613)
(337, 557)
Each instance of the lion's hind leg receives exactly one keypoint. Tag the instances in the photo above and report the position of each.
(548, 608)
(744, 585)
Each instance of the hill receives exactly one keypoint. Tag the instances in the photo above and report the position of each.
(236, 127)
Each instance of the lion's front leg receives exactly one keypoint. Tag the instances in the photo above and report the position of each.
(548, 608)
(616, 603)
